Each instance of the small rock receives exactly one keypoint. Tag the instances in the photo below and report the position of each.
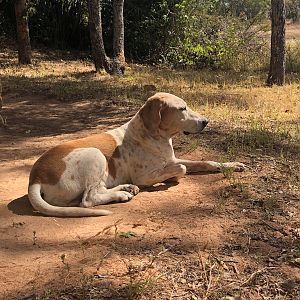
(149, 88)
(291, 285)
(297, 262)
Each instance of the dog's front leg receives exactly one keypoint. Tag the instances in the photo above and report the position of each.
(209, 166)
(174, 171)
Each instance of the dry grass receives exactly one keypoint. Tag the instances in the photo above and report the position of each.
(264, 117)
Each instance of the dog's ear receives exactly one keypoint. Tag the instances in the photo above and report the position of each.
(150, 114)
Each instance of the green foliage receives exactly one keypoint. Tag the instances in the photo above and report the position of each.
(207, 35)
(247, 9)
(60, 24)
(127, 234)
(149, 26)
(293, 10)
(7, 18)
(181, 33)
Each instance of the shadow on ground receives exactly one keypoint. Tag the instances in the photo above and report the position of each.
(39, 116)
(238, 141)
(22, 207)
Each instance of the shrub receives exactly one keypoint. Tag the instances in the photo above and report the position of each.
(203, 37)
(293, 56)
(293, 10)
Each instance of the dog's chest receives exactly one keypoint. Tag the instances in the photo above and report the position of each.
(141, 159)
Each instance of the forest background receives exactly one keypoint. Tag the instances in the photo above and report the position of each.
(219, 34)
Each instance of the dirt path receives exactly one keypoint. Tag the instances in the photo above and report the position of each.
(32, 245)
(40, 253)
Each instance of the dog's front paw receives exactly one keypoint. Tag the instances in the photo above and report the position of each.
(131, 188)
(235, 166)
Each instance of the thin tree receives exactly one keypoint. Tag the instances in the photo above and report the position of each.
(24, 47)
(118, 39)
(277, 60)
(2, 119)
(101, 60)
(95, 26)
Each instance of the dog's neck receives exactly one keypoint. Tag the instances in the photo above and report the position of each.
(135, 131)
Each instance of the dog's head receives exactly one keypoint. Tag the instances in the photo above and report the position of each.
(166, 115)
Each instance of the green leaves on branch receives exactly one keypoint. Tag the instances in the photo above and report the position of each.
(215, 33)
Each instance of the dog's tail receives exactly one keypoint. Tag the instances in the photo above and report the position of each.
(36, 200)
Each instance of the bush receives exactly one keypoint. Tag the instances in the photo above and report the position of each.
(204, 38)
(181, 33)
(293, 57)
(149, 27)
(7, 19)
(293, 10)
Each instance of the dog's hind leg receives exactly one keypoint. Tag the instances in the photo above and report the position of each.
(97, 195)
(131, 188)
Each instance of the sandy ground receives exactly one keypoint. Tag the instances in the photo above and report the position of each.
(249, 239)
(38, 253)
(32, 245)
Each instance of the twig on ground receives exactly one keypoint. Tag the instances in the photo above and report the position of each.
(253, 276)
(235, 269)
(248, 242)
(203, 268)
(153, 258)
(3, 121)
(102, 259)
(221, 262)
(279, 229)
(104, 230)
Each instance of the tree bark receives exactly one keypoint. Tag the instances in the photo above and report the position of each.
(95, 26)
(2, 119)
(111, 66)
(1, 102)
(24, 48)
(277, 60)
(118, 21)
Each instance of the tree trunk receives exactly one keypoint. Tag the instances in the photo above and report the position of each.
(24, 48)
(118, 20)
(277, 60)
(113, 66)
(1, 102)
(2, 119)
(95, 26)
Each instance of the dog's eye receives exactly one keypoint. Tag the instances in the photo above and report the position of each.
(182, 108)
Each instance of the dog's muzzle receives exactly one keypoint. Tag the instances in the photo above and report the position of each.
(201, 125)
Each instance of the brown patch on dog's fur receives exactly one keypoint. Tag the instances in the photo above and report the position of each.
(167, 123)
(158, 113)
(50, 166)
(150, 114)
(111, 162)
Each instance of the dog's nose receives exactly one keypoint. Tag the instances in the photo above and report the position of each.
(204, 122)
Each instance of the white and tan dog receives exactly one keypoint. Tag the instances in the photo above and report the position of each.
(108, 167)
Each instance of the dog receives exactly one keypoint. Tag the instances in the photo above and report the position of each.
(69, 179)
